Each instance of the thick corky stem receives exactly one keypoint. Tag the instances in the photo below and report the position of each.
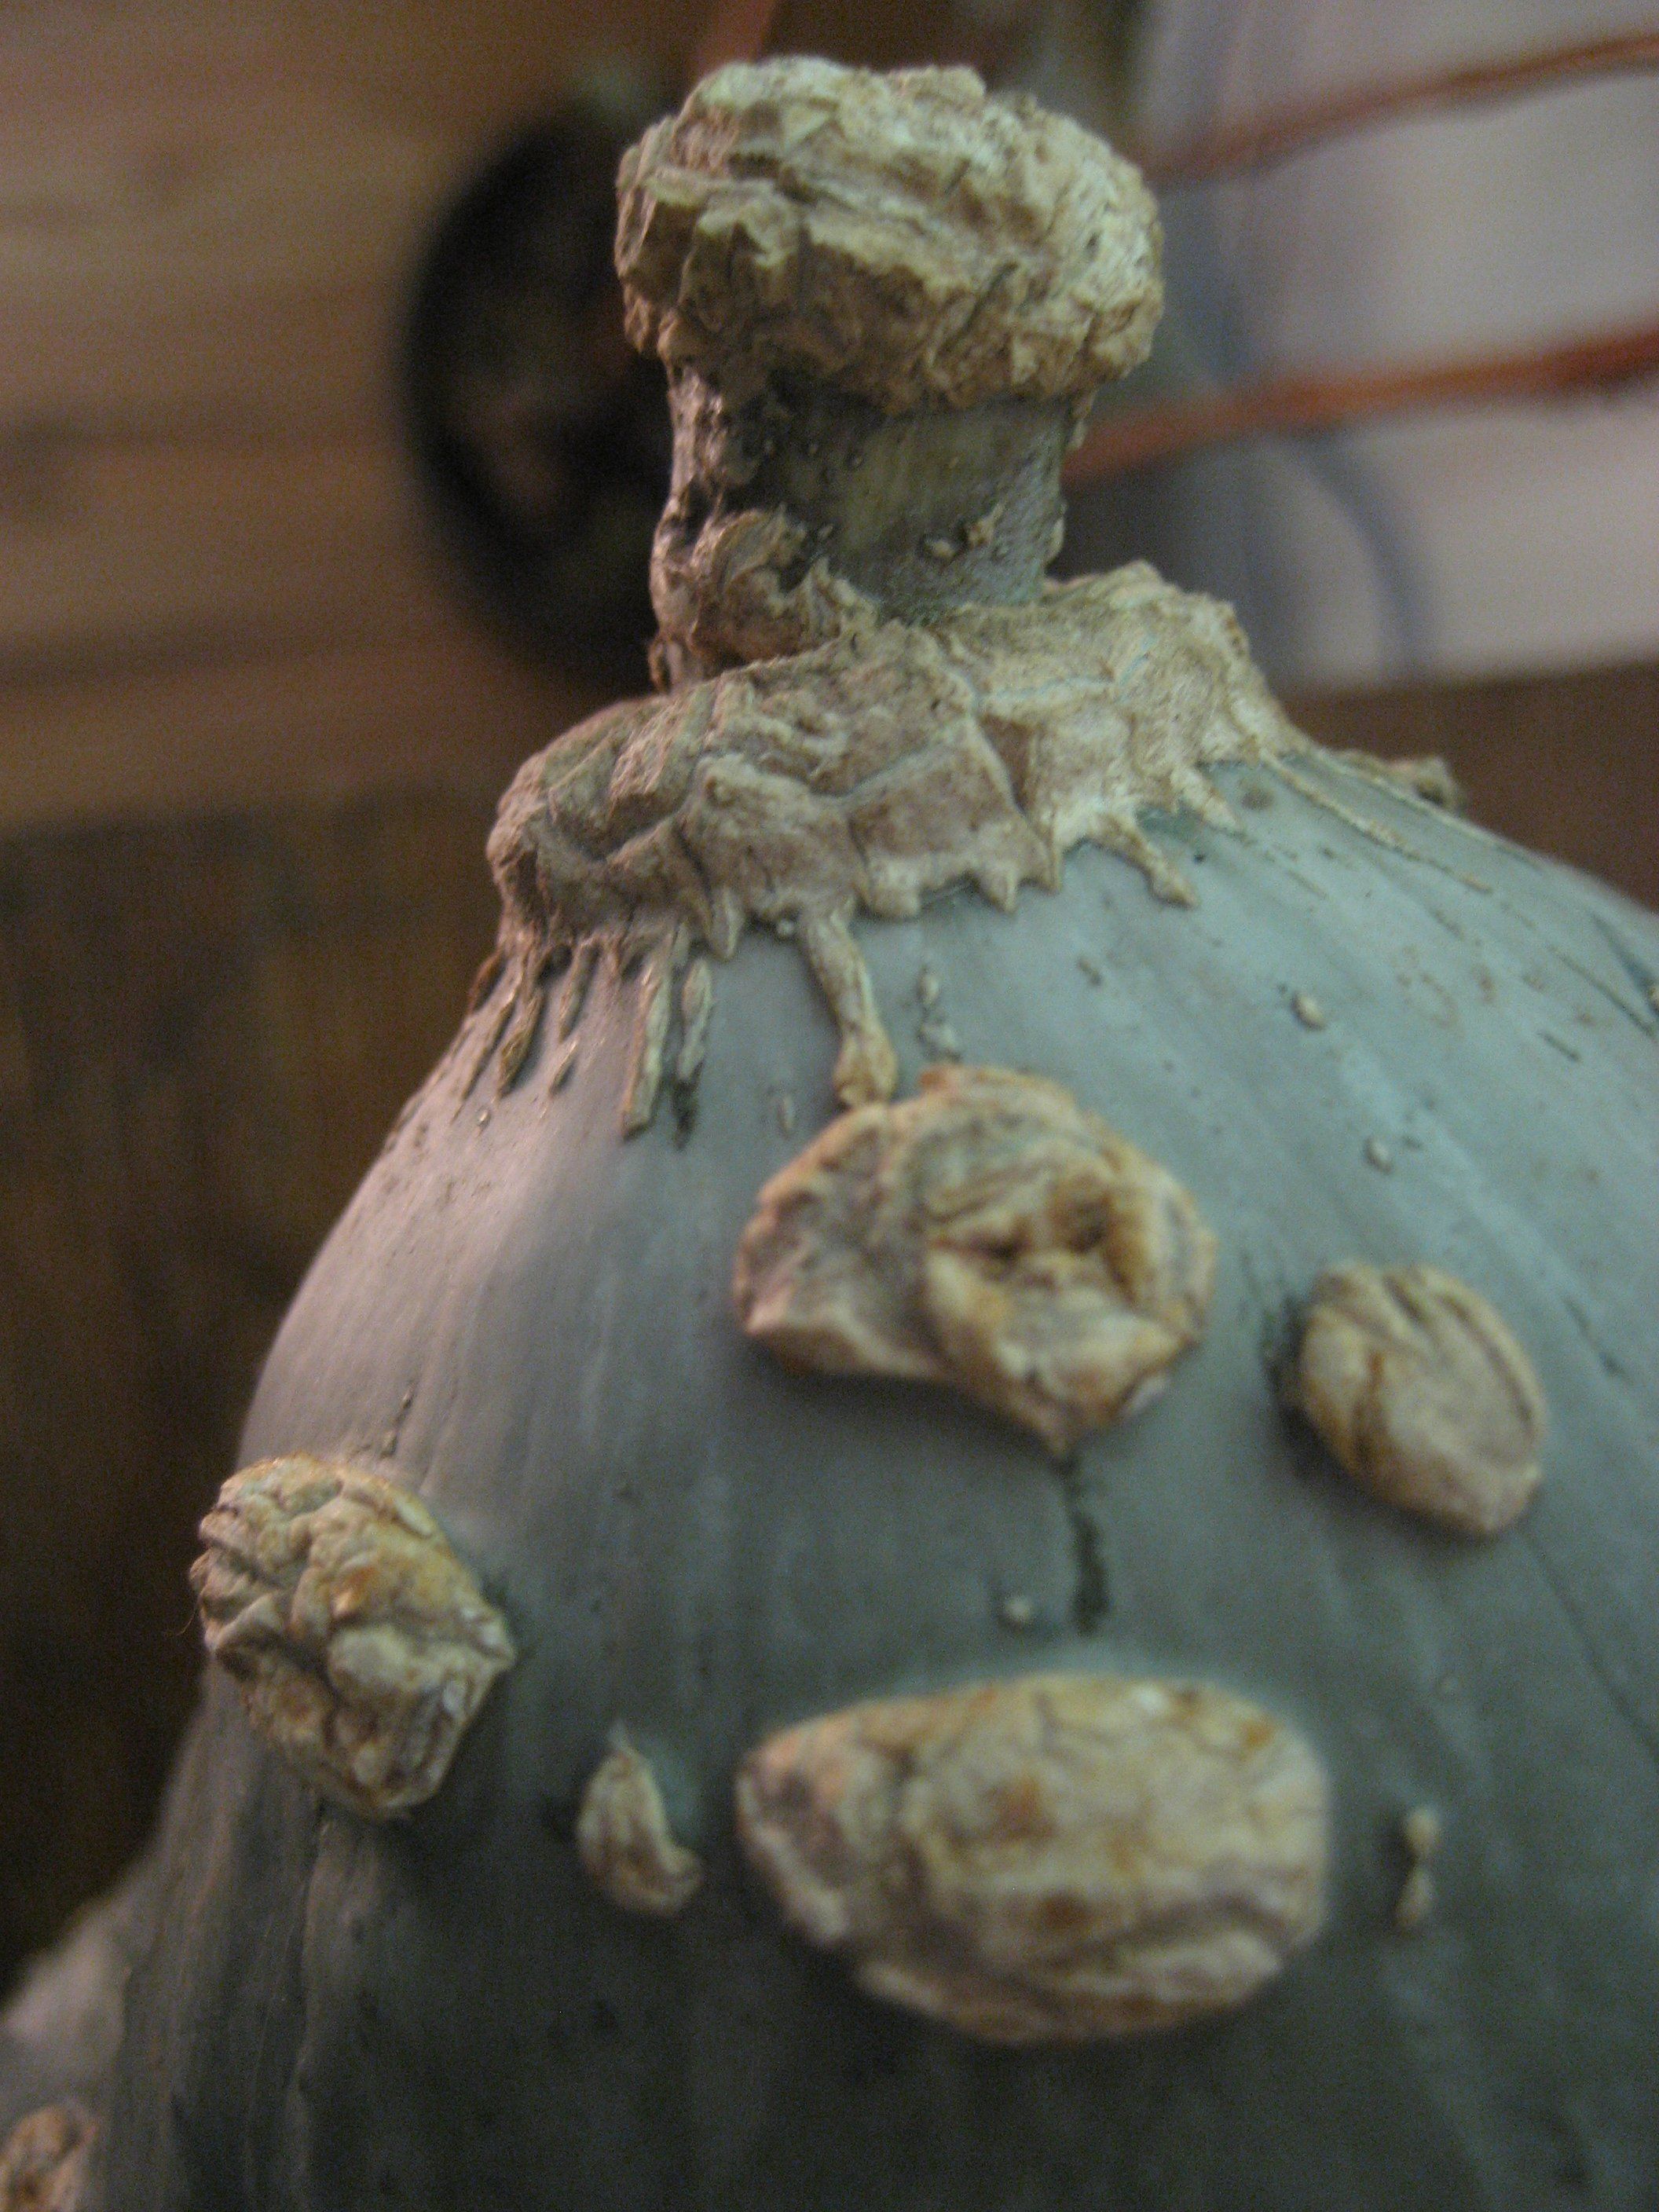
(919, 511)
(882, 302)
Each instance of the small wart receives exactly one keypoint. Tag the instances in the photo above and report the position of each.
(1420, 1833)
(44, 2160)
(1422, 1394)
(990, 1234)
(623, 1840)
(1052, 1859)
(361, 1645)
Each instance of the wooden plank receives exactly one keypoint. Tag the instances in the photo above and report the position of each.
(252, 361)
(464, 65)
(447, 709)
(1567, 764)
(113, 555)
(240, 280)
(208, 218)
(205, 1029)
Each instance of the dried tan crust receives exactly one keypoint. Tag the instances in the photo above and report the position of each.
(361, 1645)
(623, 1839)
(1422, 1394)
(907, 238)
(43, 2163)
(863, 775)
(989, 1235)
(746, 588)
(1051, 1859)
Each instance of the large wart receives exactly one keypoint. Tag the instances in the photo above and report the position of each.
(361, 1645)
(990, 1234)
(1046, 1860)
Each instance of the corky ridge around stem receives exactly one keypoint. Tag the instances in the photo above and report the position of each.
(882, 300)
(893, 764)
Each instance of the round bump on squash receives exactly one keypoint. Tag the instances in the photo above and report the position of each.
(44, 2160)
(623, 1839)
(1422, 1394)
(363, 1647)
(1052, 1859)
(989, 1234)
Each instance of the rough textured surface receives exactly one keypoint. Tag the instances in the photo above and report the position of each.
(44, 2160)
(1047, 1859)
(1422, 1393)
(447, 2004)
(865, 776)
(735, 584)
(446, 2012)
(625, 1840)
(905, 238)
(363, 1647)
(792, 516)
(990, 1234)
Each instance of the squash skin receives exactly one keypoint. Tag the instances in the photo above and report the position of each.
(689, 1540)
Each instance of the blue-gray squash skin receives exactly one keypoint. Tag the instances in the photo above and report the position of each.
(532, 1321)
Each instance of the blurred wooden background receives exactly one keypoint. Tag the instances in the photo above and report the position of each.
(249, 742)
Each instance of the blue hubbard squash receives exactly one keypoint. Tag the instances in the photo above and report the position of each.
(968, 1520)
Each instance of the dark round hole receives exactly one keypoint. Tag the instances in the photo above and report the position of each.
(542, 438)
